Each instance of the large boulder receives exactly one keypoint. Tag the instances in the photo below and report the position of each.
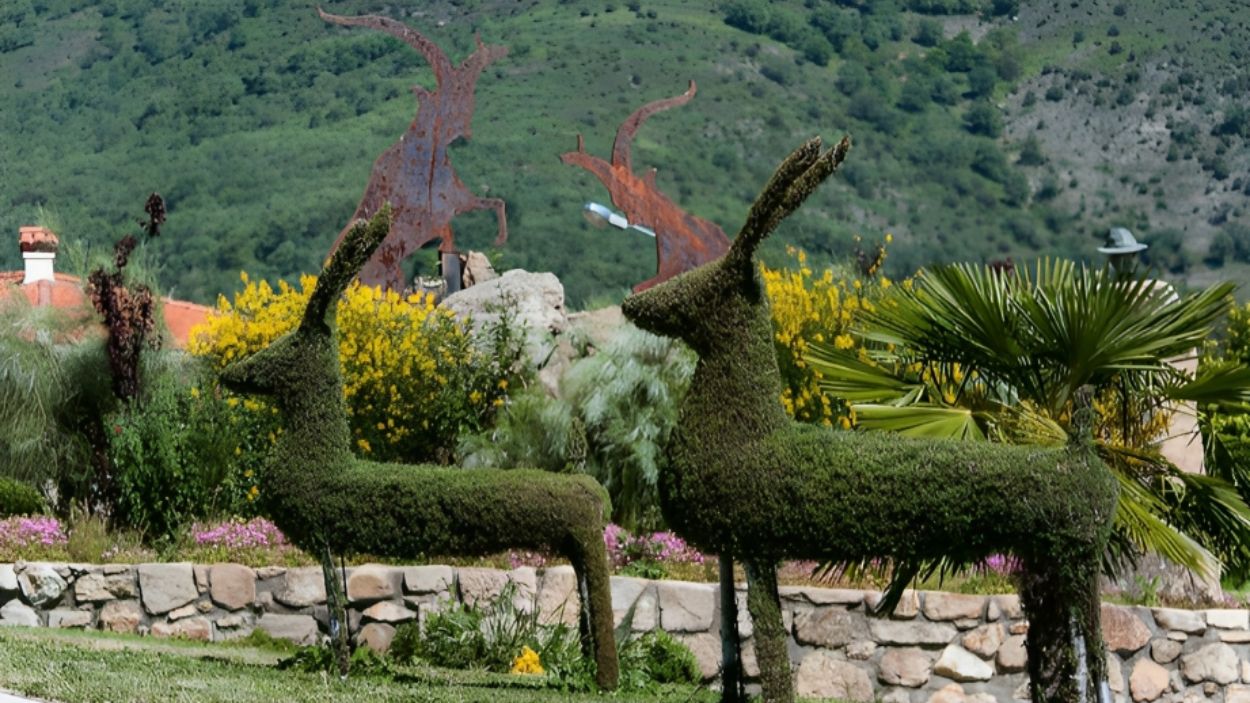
(535, 300)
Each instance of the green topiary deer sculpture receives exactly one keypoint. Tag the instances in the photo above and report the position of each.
(328, 501)
(747, 482)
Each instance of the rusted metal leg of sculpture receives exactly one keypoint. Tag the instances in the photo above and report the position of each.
(501, 215)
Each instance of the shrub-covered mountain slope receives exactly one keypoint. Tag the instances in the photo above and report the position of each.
(982, 129)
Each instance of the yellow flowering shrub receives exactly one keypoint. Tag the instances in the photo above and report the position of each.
(413, 376)
(817, 307)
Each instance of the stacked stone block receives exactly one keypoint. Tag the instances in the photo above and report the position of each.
(935, 648)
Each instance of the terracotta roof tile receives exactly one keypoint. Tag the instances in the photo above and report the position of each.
(67, 293)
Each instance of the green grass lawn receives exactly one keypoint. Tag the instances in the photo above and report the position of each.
(72, 666)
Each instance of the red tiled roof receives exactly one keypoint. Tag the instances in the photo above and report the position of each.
(66, 293)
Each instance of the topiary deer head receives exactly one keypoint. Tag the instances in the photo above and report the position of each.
(271, 370)
(679, 307)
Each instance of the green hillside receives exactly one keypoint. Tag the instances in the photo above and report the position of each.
(1024, 130)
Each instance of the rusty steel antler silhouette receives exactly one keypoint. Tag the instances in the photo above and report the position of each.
(682, 241)
(415, 174)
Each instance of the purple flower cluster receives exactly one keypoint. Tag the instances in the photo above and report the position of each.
(518, 559)
(256, 533)
(999, 564)
(19, 532)
(624, 548)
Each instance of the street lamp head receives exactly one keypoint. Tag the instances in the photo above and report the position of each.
(598, 215)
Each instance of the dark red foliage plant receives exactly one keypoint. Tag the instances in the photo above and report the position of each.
(128, 309)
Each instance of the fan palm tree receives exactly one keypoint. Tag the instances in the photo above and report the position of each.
(981, 354)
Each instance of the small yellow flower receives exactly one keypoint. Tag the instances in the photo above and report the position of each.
(195, 392)
(252, 493)
(527, 663)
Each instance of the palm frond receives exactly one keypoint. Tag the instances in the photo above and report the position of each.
(1225, 385)
(844, 375)
(921, 420)
(1137, 522)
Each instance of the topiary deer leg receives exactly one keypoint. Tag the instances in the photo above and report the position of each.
(771, 650)
(590, 563)
(336, 606)
(732, 690)
(1061, 602)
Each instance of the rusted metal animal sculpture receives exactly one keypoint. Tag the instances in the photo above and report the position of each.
(682, 241)
(415, 174)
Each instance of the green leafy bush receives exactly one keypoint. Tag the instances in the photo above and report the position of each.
(1226, 431)
(172, 453)
(18, 498)
(660, 659)
(320, 658)
(493, 636)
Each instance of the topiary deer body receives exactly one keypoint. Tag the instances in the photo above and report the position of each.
(747, 482)
(322, 496)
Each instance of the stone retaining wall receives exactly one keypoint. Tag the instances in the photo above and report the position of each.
(937, 648)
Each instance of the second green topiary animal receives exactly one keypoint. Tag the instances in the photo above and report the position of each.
(749, 483)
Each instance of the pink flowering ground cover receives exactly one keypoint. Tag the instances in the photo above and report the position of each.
(652, 555)
(255, 542)
(34, 538)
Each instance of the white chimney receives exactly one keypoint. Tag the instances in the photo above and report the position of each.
(38, 245)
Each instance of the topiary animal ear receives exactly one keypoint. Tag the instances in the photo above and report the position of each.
(797, 177)
(344, 265)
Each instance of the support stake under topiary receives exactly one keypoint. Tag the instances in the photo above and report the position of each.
(323, 497)
(745, 480)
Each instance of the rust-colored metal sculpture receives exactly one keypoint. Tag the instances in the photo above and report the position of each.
(682, 241)
(415, 174)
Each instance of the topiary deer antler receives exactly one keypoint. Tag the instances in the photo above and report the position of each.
(415, 174)
(323, 497)
(746, 481)
(682, 241)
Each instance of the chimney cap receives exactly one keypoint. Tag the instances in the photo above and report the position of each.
(33, 238)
